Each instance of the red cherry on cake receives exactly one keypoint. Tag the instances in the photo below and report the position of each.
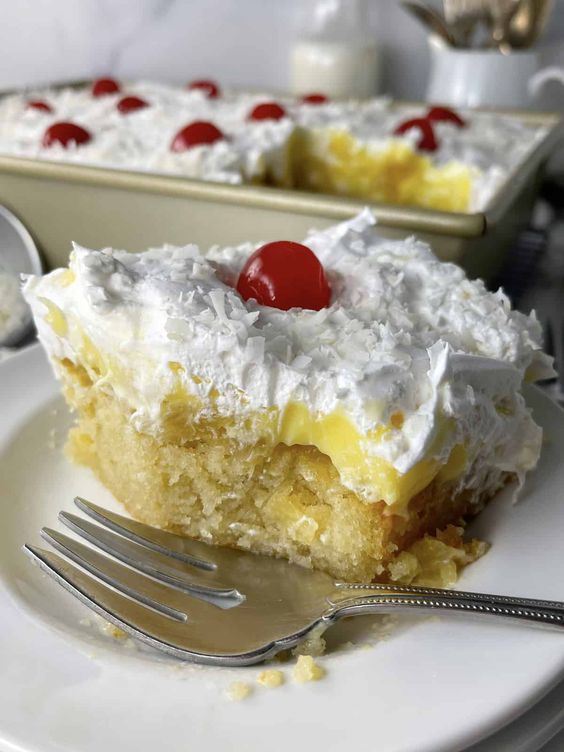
(65, 134)
(445, 114)
(104, 86)
(427, 140)
(285, 275)
(315, 98)
(130, 104)
(210, 88)
(268, 111)
(194, 134)
(39, 104)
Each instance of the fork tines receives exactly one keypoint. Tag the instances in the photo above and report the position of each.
(146, 581)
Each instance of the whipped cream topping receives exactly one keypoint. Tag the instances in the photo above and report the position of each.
(141, 139)
(405, 333)
(491, 144)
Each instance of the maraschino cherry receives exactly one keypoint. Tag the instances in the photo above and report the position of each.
(427, 141)
(285, 275)
(268, 111)
(210, 88)
(103, 86)
(130, 104)
(315, 98)
(194, 134)
(445, 114)
(39, 104)
(65, 133)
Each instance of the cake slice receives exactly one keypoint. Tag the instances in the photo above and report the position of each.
(363, 150)
(340, 434)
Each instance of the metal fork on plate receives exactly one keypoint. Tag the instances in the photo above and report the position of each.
(224, 606)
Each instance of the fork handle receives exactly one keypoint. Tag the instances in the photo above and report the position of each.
(431, 604)
(488, 598)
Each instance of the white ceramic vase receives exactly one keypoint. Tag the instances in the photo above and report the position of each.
(486, 78)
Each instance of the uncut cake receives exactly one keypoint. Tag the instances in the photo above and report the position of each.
(375, 149)
(344, 403)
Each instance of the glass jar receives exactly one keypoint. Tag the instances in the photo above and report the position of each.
(336, 54)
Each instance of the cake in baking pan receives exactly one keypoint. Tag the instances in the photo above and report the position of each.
(373, 150)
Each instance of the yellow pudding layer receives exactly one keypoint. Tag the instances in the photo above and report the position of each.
(334, 161)
(336, 436)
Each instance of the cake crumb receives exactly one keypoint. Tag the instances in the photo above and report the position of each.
(436, 560)
(306, 670)
(384, 627)
(238, 691)
(349, 645)
(271, 678)
(112, 631)
(313, 644)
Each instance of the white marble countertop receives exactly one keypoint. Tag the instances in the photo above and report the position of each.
(239, 43)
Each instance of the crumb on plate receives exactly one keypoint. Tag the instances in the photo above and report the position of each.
(271, 678)
(238, 691)
(306, 670)
(112, 631)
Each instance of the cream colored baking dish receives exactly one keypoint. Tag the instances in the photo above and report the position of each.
(98, 207)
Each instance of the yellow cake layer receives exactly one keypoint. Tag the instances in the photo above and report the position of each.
(334, 161)
(230, 482)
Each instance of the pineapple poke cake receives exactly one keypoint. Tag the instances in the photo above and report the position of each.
(372, 150)
(337, 402)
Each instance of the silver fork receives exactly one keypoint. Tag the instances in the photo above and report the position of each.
(224, 606)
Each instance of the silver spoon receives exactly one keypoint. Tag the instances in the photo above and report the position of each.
(528, 23)
(18, 254)
(466, 19)
(502, 12)
(431, 20)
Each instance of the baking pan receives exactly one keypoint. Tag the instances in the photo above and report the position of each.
(99, 207)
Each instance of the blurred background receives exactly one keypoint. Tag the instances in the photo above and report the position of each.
(242, 43)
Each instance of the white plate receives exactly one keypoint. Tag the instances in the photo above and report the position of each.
(434, 685)
(535, 731)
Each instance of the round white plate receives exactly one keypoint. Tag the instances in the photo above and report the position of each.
(537, 730)
(434, 685)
